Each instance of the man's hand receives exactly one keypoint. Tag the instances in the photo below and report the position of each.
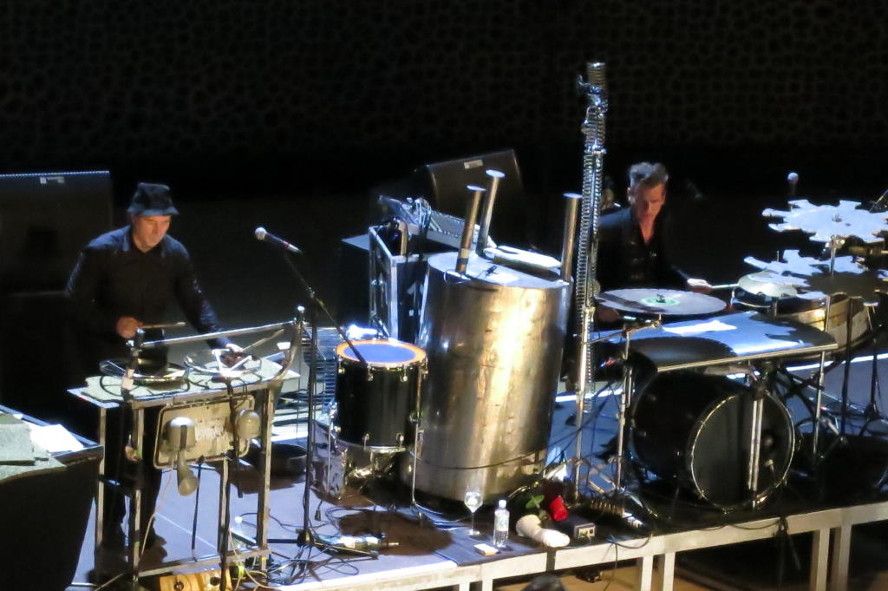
(699, 285)
(126, 326)
(232, 353)
(605, 314)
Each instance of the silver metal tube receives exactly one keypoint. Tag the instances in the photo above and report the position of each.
(628, 385)
(821, 380)
(569, 237)
(465, 244)
(487, 211)
(234, 332)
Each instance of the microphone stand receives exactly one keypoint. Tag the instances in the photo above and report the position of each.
(306, 537)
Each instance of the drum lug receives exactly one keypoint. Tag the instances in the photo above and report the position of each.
(403, 376)
(369, 375)
(365, 439)
(400, 439)
(340, 370)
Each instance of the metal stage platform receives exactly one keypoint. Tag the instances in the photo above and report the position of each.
(655, 555)
(429, 557)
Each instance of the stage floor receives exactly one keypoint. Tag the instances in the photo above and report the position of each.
(430, 556)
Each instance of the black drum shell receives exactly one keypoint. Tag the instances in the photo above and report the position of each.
(696, 430)
(374, 404)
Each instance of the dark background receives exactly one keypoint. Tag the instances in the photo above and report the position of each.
(304, 97)
(285, 113)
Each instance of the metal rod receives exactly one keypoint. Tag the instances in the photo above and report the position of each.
(621, 419)
(821, 379)
(569, 236)
(234, 332)
(487, 211)
(465, 244)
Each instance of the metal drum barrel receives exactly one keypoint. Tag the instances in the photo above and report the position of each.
(494, 339)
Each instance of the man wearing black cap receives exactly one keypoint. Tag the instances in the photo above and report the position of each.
(124, 280)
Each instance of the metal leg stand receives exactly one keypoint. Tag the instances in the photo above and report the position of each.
(263, 509)
(135, 513)
(100, 486)
(755, 444)
(821, 379)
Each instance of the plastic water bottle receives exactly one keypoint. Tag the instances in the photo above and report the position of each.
(501, 525)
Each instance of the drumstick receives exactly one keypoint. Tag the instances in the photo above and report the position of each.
(163, 325)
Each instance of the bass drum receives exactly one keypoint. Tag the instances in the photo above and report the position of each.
(374, 403)
(696, 430)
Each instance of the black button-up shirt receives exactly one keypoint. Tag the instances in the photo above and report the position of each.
(113, 278)
(624, 260)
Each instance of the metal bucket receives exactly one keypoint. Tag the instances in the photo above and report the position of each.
(494, 339)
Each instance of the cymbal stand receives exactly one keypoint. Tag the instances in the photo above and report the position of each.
(759, 391)
(872, 413)
(834, 244)
(628, 385)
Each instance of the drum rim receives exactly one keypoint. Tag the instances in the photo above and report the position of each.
(344, 352)
(693, 438)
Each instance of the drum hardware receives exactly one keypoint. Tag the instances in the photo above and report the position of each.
(595, 90)
(625, 393)
(833, 225)
(316, 304)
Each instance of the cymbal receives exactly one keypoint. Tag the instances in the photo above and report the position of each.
(823, 222)
(661, 302)
(770, 284)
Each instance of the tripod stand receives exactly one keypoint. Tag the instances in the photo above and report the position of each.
(306, 536)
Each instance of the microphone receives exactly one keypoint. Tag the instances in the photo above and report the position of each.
(792, 180)
(265, 236)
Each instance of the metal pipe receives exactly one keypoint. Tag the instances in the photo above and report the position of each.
(465, 244)
(487, 212)
(234, 332)
(569, 236)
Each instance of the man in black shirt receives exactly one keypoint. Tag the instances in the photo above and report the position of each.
(632, 242)
(125, 280)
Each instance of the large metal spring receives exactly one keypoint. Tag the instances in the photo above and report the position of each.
(593, 128)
